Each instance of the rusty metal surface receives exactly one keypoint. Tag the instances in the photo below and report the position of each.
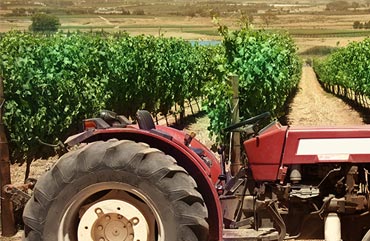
(7, 216)
(19, 194)
(263, 234)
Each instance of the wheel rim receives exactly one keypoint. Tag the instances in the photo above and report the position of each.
(113, 220)
(123, 213)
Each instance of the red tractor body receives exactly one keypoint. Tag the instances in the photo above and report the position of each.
(164, 136)
(197, 159)
(176, 189)
(278, 147)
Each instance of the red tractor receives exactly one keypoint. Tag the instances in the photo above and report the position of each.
(146, 182)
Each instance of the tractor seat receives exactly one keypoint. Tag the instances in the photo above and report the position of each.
(145, 122)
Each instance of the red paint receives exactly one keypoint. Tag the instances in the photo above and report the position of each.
(276, 147)
(264, 152)
(295, 134)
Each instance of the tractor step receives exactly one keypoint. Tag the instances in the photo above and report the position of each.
(263, 234)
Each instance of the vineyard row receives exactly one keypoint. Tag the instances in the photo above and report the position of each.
(53, 82)
(346, 72)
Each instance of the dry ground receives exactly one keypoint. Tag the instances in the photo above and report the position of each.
(203, 28)
(312, 106)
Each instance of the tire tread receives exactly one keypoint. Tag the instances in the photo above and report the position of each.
(138, 158)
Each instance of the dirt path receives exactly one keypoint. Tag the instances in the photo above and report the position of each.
(312, 106)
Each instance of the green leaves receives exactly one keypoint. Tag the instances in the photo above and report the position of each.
(50, 91)
(347, 67)
(153, 73)
(53, 82)
(44, 23)
(268, 68)
(346, 72)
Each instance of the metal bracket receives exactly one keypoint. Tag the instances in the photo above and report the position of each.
(18, 194)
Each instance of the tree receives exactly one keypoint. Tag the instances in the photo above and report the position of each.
(356, 25)
(44, 23)
(367, 25)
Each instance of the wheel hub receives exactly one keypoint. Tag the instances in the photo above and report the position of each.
(113, 227)
(113, 220)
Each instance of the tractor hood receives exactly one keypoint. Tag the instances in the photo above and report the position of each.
(264, 151)
(330, 144)
(276, 147)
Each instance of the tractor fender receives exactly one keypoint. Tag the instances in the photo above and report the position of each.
(185, 158)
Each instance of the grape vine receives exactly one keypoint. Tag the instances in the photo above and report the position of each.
(53, 82)
(268, 67)
(346, 72)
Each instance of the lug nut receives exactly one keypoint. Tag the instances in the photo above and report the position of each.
(135, 221)
(131, 237)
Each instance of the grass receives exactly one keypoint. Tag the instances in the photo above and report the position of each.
(164, 26)
(209, 32)
(204, 29)
(319, 33)
(77, 16)
(86, 27)
(183, 29)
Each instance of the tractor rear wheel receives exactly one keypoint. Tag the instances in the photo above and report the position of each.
(116, 190)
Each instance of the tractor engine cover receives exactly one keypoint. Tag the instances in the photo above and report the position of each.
(264, 152)
(277, 147)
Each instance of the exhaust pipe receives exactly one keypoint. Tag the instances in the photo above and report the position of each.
(332, 227)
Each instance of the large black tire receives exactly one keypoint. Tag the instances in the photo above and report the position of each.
(116, 190)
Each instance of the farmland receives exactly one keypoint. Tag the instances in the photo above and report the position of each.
(309, 22)
(316, 29)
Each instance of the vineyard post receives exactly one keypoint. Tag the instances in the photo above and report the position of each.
(7, 216)
(235, 152)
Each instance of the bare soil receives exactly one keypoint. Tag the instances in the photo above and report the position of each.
(311, 106)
